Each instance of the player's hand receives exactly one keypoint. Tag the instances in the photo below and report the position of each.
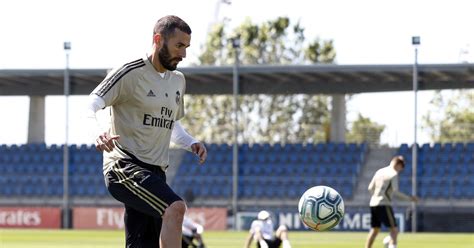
(200, 150)
(415, 199)
(105, 142)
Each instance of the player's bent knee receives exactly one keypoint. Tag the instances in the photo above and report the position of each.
(283, 228)
(177, 209)
(282, 232)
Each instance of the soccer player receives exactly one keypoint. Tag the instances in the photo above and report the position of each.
(146, 103)
(262, 231)
(383, 186)
(192, 234)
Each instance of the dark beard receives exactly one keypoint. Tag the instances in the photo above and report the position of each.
(165, 58)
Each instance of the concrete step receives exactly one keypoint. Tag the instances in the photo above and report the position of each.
(176, 156)
(376, 159)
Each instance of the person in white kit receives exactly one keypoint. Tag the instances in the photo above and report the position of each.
(192, 234)
(146, 102)
(383, 186)
(261, 230)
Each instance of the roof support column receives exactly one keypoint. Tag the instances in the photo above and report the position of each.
(338, 118)
(36, 121)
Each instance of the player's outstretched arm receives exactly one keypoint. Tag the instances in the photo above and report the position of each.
(248, 241)
(180, 137)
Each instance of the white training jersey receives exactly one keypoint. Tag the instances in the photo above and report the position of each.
(144, 106)
(265, 227)
(384, 184)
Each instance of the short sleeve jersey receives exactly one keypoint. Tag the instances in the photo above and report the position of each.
(144, 106)
(384, 184)
(265, 226)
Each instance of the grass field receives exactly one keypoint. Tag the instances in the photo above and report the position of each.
(15, 238)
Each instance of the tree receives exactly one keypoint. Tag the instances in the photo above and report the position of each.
(452, 117)
(365, 130)
(262, 118)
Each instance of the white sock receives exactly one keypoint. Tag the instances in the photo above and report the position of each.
(263, 244)
(386, 240)
(286, 244)
(392, 246)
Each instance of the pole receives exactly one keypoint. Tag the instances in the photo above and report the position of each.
(235, 159)
(415, 42)
(66, 201)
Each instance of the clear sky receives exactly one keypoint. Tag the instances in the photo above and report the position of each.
(105, 33)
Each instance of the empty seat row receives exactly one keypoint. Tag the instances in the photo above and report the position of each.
(269, 170)
(439, 147)
(206, 191)
(49, 168)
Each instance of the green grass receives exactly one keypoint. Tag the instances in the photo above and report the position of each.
(16, 238)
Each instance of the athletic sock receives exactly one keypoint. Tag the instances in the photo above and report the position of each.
(263, 244)
(392, 246)
(286, 244)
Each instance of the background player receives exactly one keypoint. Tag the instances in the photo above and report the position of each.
(383, 186)
(192, 234)
(262, 231)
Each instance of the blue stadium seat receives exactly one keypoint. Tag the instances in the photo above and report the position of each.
(315, 158)
(277, 148)
(330, 147)
(404, 148)
(459, 147)
(447, 148)
(294, 158)
(326, 159)
(266, 147)
(437, 147)
(262, 157)
(470, 147)
(425, 148)
(468, 158)
(298, 148)
(320, 147)
(352, 148)
(309, 148)
(341, 147)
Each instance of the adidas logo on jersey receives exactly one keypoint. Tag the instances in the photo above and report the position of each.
(150, 93)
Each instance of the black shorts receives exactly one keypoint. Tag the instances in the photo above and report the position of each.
(382, 214)
(187, 241)
(143, 190)
(273, 243)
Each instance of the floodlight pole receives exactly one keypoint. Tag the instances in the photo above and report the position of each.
(235, 159)
(66, 200)
(415, 43)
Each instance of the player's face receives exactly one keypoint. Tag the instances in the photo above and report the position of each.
(174, 49)
(398, 168)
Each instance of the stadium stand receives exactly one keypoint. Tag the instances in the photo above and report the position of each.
(265, 170)
(444, 170)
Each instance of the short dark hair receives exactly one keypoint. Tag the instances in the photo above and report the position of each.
(399, 160)
(167, 24)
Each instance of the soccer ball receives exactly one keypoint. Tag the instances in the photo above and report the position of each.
(386, 241)
(321, 208)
